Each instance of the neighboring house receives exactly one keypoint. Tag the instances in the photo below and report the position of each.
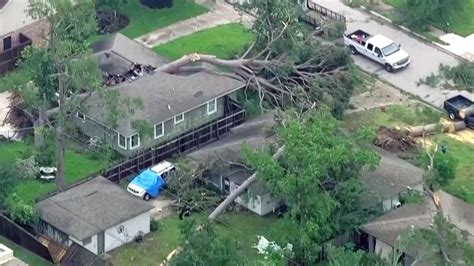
(97, 215)
(172, 105)
(257, 198)
(17, 30)
(390, 180)
(381, 234)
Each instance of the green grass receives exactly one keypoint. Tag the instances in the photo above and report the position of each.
(77, 167)
(144, 20)
(23, 254)
(461, 22)
(463, 185)
(395, 115)
(224, 41)
(244, 227)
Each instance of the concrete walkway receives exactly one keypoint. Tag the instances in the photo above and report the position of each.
(462, 46)
(425, 58)
(220, 13)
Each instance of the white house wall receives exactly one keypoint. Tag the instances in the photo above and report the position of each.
(92, 246)
(382, 249)
(114, 239)
(268, 204)
(389, 203)
(14, 16)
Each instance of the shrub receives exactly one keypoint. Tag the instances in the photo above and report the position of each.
(8, 181)
(462, 74)
(26, 168)
(21, 212)
(157, 3)
(154, 225)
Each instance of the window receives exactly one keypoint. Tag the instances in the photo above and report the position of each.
(122, 141)
(134, 141)
(86, 241)
(378, 52)
(159, 130)
(211, 107)
(81, 115)
(7, 43)
(179, 118)
(370, 47)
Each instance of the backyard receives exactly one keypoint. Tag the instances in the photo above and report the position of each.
(241, 226)
(462, 22)
(77, 166)
(24, 255)
(224, 41)
(461, 143)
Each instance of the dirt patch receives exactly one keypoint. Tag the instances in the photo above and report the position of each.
(377, 95)
(110, 22)
(394, 140)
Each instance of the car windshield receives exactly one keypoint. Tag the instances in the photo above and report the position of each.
(391, 49)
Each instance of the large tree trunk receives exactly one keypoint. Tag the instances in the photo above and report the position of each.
(60, 136)
(219, 209)
(39, 125)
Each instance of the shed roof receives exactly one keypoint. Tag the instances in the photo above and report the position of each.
(91, 207)
(164, 96)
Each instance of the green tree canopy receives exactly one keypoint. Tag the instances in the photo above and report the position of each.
(317, 177)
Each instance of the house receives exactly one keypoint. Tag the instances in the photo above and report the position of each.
(391, 179)
(171, 105)
(17, 30)
(381, 234)
(97, 215)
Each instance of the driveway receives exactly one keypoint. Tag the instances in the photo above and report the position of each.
(425, 58)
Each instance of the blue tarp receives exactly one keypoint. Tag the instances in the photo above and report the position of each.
(150, 181)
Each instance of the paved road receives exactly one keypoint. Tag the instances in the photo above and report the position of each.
(425, 59)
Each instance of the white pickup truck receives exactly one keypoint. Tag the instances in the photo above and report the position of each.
(378, 48)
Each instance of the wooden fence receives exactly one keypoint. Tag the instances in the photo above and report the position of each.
(184, 143)
(9, 57)
(325, 11)
(23, 238)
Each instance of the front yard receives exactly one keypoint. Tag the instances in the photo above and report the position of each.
(460, 144)
(462, 22)
(224, 41)
(243, 227)
(144, 20)
(77, 166)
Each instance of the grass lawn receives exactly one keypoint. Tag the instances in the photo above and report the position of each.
(144, 20)
(463, 185)
(461, 22)
(25, 255)
(223, 41)
(244, 228)
(77, 166)
(395, 115)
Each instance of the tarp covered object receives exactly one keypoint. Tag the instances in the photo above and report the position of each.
(150, 181)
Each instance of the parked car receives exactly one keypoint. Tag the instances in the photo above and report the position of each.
(377, 48)
(460, 108)
(149, 182)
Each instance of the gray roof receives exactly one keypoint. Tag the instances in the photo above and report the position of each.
(392, 176)
(389, 226)
(164, 96)
(91, 207)
(117, 52)
(417, 216)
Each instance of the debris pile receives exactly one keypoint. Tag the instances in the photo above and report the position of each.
(135, 71)
(394, 140)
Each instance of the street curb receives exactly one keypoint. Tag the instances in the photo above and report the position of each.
(407, 30)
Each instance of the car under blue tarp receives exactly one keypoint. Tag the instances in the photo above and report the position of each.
(150, 181)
